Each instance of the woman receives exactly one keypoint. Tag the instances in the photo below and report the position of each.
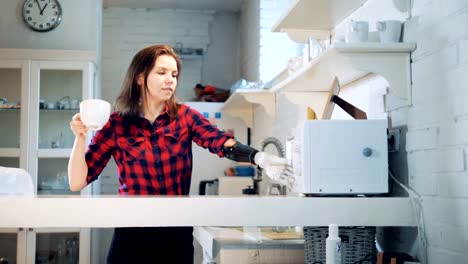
(150, 138)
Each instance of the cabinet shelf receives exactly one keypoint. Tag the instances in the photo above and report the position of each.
(349, 62)
(61, 110)
(189, 57)
(9, 110)
(9, 152)
(54, 153)
(315, 18)
(242, 102)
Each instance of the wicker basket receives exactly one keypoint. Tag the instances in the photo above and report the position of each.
(358, 244)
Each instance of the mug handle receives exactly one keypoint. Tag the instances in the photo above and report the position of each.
(381, 26)
(352, 26)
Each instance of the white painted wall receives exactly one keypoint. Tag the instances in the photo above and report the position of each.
(79, 29)
(434, 144)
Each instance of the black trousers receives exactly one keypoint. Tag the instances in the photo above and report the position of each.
(151, 245)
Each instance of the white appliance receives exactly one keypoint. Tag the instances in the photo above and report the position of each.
(226, 185)
(233, 185)
(339, 157)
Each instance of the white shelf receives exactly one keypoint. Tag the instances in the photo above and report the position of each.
(350, 62)
(9, 152)
(54, 153)
(242, 102)
(184, 57)
(106, 211)
(315, 18)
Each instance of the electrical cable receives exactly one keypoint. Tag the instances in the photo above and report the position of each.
(417, 206)
(367, 258)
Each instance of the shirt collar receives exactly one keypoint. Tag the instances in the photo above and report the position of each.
(164, 112)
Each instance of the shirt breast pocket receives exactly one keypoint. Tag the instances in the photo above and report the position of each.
(177, 141)
(133, 148)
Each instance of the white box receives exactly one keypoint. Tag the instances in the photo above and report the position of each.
(340, 157)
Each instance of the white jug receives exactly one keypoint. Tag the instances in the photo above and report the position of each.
(389, 30)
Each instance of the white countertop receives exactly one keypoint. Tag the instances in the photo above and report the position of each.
(125, 211)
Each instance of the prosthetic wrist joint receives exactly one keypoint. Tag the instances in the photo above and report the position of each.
(240, 152)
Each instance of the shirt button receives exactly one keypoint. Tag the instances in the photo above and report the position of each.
(160, 178)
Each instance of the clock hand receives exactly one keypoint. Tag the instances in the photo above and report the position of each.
(38, 5)
(42, 10)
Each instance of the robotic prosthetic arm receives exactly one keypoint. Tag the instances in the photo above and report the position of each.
(240, 152)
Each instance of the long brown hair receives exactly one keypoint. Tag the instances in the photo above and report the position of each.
(128, 102)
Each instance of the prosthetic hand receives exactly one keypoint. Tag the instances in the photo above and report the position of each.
(273, 166)
(265, 160)
(244, 153)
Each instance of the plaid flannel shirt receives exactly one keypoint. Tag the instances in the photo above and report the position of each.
(153, 158)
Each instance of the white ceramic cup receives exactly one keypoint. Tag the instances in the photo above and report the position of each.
(94, 113)
(389, 30)
(358, 31)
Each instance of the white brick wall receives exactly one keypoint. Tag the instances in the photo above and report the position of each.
(440, 29)
(435, 156)
(264, 54)
(250, 39)
(125, 31)
(221, 65)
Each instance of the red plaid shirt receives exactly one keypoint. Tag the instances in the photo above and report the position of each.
(153, 158)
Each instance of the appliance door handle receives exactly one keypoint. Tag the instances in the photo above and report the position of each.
(202, 187)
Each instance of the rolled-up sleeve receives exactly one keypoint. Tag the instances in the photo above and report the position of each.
(205, 134)
(99, 151)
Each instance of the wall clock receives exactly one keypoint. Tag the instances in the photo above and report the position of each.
(42, 15)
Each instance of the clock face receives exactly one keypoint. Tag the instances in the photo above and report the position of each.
(42, 15)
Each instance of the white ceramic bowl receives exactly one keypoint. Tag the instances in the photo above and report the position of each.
(94, 113)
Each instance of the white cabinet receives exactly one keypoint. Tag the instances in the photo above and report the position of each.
(56, 88)
(348, 62)
(41, 91)
(242, 103)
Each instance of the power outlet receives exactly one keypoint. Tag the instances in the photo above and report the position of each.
(393, 140)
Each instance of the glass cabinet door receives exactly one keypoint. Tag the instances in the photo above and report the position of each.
(9, 162)
(52, 176)
(60, 92)
(13, 111)
(8, 247)
(57, 88)
(10, 106)
(54, 246)
(13, 245)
